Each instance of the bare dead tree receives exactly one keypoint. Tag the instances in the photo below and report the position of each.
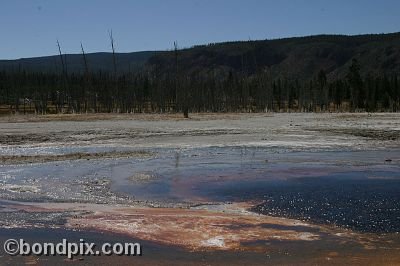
(85, 60)
(65, 76)
(176, 75)
(178, 88)
(115, 65)
(113, 52)
(61, 57)
(86, 78)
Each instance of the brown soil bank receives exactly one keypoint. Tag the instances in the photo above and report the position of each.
(19, 159)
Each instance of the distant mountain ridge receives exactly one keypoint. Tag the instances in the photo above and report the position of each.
(297, 57)
(101, 61)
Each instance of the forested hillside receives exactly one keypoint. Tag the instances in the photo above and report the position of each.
(296, 58)
(316, 73)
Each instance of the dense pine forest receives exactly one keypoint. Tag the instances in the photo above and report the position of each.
(310, 74)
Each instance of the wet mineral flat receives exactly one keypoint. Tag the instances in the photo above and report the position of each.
(284, 188)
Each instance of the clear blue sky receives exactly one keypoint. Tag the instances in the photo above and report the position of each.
(31, 27)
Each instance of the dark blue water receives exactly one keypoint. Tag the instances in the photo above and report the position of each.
(354, 189)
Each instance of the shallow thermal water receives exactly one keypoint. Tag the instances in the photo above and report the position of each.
(356, 189)
(353, 189)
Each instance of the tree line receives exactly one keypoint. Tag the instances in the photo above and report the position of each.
(174, 91)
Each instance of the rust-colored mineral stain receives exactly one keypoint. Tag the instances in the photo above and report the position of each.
(192, 229)
(227, 228)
